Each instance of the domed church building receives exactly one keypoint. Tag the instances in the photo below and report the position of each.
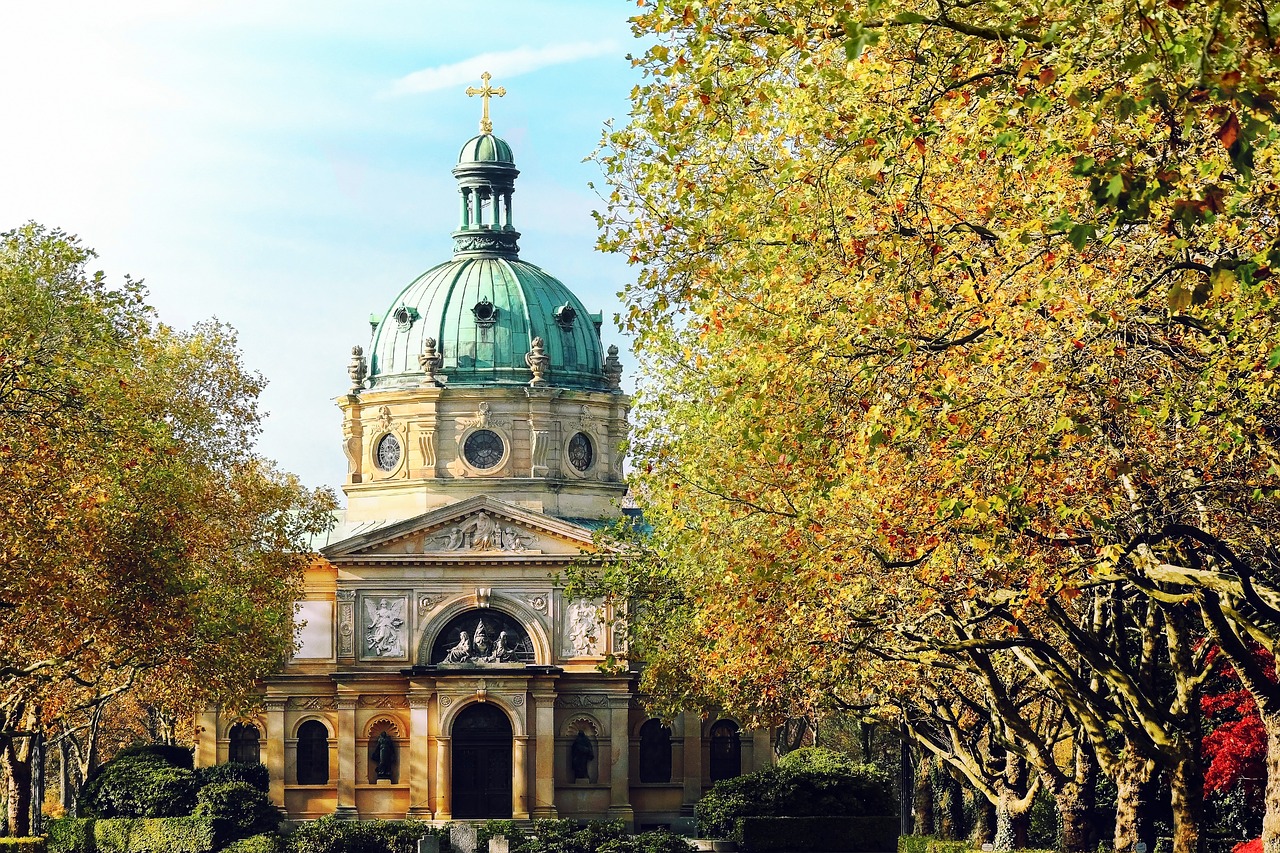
(442, 673)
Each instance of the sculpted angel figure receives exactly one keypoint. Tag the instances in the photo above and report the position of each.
(382, 627)
(583, 629)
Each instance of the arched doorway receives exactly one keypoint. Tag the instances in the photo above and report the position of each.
(726, 750)
(482, 740)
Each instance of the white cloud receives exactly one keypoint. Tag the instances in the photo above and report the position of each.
(507, 63)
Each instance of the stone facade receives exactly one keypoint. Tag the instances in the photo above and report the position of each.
(441, 672)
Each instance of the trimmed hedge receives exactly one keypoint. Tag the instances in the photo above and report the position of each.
(70, 835)
(133, 835)
(818, 834)
(914, 843)
(569, 836)
(26, 844)
(171, 754)
(817, 783)
(268, 842)
(329, 835)
(941, 845)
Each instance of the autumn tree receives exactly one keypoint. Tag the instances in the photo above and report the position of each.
(144, 547)
(950, 302)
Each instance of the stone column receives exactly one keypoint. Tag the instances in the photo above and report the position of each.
(544, 762)
(275, 750)
(207, 738)
(346, 809)
(520, 778)
(692, 763)
(419, 756)
(444, 778)
(466, 209)
(620, 761)
(761, 748)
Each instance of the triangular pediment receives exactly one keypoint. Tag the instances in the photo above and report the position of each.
(481, 528)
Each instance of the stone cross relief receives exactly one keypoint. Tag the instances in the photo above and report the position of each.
(483, 532)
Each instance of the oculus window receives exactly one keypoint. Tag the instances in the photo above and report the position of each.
(483, 449)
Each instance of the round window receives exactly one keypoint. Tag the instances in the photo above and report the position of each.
(388, 454)
(581, 454)
(483, 449)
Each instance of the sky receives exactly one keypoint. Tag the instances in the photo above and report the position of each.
(284, 166)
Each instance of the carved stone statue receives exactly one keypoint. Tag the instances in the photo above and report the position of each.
(431, 361)
(460, 653)
(613, 369)
(539, 363)
(580, 754)
(358, 369)
(481, 647)
(383, 753)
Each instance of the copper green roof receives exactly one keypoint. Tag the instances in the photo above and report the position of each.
(486, 148)
(483, 313)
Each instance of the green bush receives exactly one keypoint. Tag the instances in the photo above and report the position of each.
(267, 842)
(568, 836)
(139, 785)
(914, 843)
(242, 809)
(175, 756)
(818, 834)
(818, 759)
(660, 841)
(329, 835)
(939, 845)
(816, 785)
(70, 835)
(942, 845)
(28, 844)
(235, 771)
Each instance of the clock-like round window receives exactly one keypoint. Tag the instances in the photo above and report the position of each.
(581, 454)
(483, 449)
(388, 454)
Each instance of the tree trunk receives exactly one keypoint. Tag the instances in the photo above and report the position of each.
(1077, 818)
(952, 802)
(19, 793)
(984, 825)
(1186, 787)
(1013, 824)
(1271, 817)
(1134, 791)
(922, 805)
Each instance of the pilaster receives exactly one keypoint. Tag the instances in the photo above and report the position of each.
(275, 750)
(419, 756)
(620, 761)
(544, 792)
(346, 809)
(692, 762)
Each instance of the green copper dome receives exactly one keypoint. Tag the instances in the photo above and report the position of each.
(486, 148)
(483, 313)
(477, 316)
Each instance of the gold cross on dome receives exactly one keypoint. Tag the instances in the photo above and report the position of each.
(485, 92)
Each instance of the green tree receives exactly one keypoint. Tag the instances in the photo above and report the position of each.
(144, 546)
(949, 303)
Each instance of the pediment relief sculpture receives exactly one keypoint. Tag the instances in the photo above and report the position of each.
(483, 532)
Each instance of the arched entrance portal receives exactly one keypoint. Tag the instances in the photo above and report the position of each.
(482, 763)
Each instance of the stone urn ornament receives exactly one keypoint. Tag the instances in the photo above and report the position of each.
(539, 363)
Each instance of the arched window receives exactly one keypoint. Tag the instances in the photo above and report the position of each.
(246, 744)
(313, 753)
(726, 751)
(655, 752)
